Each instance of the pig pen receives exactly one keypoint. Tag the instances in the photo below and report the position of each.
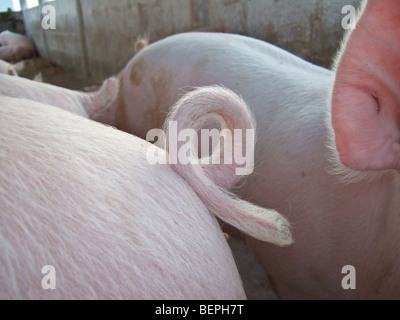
(94, 39)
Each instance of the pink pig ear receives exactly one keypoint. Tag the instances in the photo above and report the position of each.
(366, 93)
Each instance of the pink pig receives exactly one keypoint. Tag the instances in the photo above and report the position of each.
(340, 217)
(15, 47)
(93, 105)
(310, 121)
(83, 199)
(6, 68)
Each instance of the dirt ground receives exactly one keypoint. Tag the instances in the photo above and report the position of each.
(51, 73)
(255, 280)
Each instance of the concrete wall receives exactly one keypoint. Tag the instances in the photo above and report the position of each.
(96, 37)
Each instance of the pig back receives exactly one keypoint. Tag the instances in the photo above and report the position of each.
(81, 197)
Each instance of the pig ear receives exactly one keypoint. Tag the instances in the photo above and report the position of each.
(366, 93)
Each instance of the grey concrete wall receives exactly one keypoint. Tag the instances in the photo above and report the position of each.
(310, 29)
(96, 37)
(112, 27)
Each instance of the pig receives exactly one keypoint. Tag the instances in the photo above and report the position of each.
(141, 43)
(6, 68)
(86, 104)
(15, 47)
(8, 38)
(327, 154)
(82, 200)
(19, 66)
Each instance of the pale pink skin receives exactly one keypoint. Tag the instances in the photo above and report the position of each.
(141, 43)
(89, 105)
(99, 106)
(6, 68)
(19, 66)
(220, 28)
(366, 101)
(111, 224)
(15, 47)
(8, 38)
(15, 53)
(339, 217)
(82, 197)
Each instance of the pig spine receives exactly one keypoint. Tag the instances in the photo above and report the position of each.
(82, 197)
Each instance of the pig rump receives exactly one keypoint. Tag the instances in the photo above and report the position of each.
(83, 198)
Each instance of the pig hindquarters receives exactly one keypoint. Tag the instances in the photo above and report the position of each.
(82, 197)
